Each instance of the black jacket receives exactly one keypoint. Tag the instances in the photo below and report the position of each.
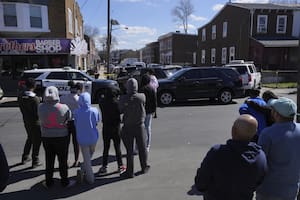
(151, 102)
(231, 171)
(110, 107)
(4, 170)
(28, 103)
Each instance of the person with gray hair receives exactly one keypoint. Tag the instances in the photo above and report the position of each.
(281, 144)
(55, 137)
(233, 170)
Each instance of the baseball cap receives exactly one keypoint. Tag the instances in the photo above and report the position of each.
(284, 106)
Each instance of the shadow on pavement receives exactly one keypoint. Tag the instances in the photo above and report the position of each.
(38, 191)
(195, 103)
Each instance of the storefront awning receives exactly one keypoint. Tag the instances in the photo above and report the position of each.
(279, 43)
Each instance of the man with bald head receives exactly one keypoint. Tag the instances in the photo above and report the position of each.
(233, 170)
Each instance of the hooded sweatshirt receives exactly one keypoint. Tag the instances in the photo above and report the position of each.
(232, 171)
(86, 119)
(53, 115)
(133, 105)
(110, 107)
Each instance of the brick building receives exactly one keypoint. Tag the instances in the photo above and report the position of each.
(177, 48)
(264, 33)
(43, 33)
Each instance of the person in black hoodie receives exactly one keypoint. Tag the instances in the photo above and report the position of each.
(28, 103)
(150, 106)
(234, 170)
(111, 120)
(4, 170)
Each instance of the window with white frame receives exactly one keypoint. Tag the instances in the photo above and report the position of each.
(231, 53)
(203, 34)
(281, 24)
(35, 17)
(213, 56)
(10, 15)
(70, 19)
(225, 29)
(224, 55)
(203, 56)
(213, 32)
(262, 24)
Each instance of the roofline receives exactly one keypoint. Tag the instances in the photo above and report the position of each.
(173, 33)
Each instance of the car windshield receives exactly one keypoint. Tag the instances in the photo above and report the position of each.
(177, 74)
(170, 72)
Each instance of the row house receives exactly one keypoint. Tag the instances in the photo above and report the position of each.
(264, 33)
(150, 53)
(177, 48)
(40, 33)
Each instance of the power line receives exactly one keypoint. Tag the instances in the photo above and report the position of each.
(82, 6)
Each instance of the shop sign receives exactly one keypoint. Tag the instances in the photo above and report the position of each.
(9, 46)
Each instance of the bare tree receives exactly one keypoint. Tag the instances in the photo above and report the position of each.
(182, 12)
(91, 31)
(101, 42)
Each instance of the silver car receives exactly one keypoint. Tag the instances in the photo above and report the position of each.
(1, 93)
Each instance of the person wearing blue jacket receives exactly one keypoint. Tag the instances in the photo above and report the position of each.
(234, 170)
(246, 108)
(86, 120)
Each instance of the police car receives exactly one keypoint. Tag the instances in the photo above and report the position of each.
(59, 77)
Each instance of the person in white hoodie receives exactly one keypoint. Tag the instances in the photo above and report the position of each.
(55, 137)
(86, 120)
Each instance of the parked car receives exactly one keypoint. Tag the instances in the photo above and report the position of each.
(60, 77)
(251, 77)
(201, 82)
(160, 72)
(1, 93)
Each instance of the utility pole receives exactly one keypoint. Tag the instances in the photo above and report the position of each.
(108, 38)
(298, 84)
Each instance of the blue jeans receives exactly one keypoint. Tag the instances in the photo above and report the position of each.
(148, 124)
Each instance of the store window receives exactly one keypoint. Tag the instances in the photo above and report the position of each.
(35, 17)
(203, 56)
(10, 15)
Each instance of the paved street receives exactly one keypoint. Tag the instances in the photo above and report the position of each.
(182, 134)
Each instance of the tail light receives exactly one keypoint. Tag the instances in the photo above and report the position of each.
(249, 77)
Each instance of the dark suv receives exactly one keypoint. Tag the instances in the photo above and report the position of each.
(201, 82)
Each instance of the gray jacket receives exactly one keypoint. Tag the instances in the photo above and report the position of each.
(53, 115)
(132, 105)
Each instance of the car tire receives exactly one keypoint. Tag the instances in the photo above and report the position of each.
(225, 96)
(166, 98)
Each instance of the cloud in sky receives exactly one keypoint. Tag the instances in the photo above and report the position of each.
(135, 30)
(197, 18)
(218, 7)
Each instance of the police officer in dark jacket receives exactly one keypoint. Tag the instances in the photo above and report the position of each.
(28, 103)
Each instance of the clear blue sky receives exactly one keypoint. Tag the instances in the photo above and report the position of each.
(146, 20)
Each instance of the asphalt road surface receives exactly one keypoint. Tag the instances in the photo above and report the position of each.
(181, 136)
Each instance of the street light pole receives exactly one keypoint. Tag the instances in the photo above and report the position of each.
(108, 37)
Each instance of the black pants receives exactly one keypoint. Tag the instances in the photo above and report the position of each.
(72, 132)
(57, 146)
(129, 134)
(33, 140)
(111, 133)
